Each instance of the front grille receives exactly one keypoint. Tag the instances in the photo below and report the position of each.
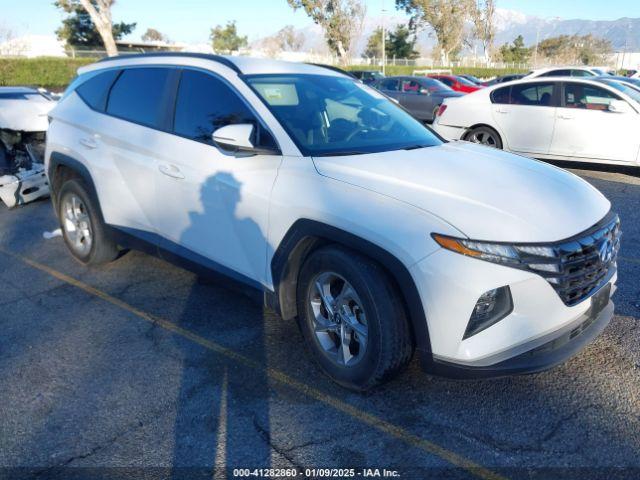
(577, 267)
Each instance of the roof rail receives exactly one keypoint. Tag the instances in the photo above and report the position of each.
(206, 56)
(335, 69)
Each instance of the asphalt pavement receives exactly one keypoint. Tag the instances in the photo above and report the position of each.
(141, 370)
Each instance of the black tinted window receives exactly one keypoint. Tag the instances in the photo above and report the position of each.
(95, 90)
(538, 94)
(557, 73)
(138, 96)
(206, 104)
(501, 95)
(390, 84)
(581, 73)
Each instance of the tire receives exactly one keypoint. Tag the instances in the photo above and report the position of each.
(80, 219)
(485, 136)
(380, 342)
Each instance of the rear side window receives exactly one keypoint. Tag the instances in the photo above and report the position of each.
(95, 91)
(138, 96)
(557, 73)
(446, 81)
(390, 84)
(581, 73)
(206, 103)
(537, 94)
(501, 95)
(534, 94)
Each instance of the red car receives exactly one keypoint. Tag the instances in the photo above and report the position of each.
(458, 84)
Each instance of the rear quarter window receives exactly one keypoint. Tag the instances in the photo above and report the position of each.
(95, 90)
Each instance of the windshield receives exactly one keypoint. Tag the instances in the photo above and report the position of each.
(326, 115)
(633, 92)
(434, 85)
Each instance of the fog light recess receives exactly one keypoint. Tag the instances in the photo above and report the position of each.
(491, 307)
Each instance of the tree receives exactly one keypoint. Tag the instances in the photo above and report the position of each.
(374, 45)
(341, 21)
(401, 43)
(289, 40)
(585, 49)
(446, 18)
(89, 24)
(516, 52)
(153, 35)
(484, 29)
(286, 39)
(226, 39)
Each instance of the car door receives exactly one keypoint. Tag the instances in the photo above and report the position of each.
(585, 127)
(526, 115)
(124, 144)
(415, 99)
(212, 205)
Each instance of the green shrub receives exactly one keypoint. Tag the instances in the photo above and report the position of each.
(480, 72)
(48, 72)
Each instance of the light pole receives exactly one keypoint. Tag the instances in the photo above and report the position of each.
(384, 53)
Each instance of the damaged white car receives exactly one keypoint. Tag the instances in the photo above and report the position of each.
(23, 126)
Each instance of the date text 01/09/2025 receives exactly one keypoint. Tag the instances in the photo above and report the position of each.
(315, 473)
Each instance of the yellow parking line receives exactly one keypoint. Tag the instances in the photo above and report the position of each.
(274, 374)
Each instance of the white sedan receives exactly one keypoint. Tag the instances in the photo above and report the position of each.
(554, 118)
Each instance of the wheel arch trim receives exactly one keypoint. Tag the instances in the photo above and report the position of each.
(306, 235)
(57, 160)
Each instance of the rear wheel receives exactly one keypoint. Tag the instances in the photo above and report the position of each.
(352, 318)
(82, 227)
(484, 136)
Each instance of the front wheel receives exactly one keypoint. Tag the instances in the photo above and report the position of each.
(352, 318)
(485, 136)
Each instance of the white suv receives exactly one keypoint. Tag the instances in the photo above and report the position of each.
(350, 215)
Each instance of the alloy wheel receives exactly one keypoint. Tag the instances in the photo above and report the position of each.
(339, 320)
(77, 225)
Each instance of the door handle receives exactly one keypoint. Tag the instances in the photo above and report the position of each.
(170, 170)
(501, 110)
(89, 143)
(565, 116)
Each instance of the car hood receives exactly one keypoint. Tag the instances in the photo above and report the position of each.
(25, 115)
(485, 193)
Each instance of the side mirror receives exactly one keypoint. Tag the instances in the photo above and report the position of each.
(619, 106)
(234, 137)
(424, 91)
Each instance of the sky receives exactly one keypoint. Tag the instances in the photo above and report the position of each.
(190, 21)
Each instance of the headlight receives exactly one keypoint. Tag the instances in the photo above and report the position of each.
(502, 253)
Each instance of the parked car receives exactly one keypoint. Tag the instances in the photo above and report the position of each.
(23, 125)
(567, 72)
(472, 79)
(345, 211)
(503, 79)
(367, 76)
(556, 118)
(456, 83)
(421, 96)
(632, 82)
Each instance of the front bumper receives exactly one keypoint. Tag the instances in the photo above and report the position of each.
(449, 286)
(24, 186)
(555, 350)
